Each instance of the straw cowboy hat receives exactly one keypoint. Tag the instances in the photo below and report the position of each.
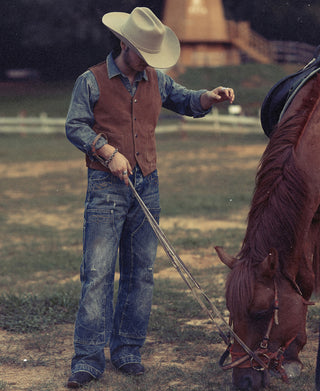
(144, 32)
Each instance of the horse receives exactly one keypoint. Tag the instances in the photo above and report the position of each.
(273, 276)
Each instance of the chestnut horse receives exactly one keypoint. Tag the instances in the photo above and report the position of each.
(277, 268)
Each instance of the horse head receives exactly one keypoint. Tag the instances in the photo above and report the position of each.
(268, 313)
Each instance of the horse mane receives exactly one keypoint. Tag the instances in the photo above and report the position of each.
(279, 196)
(274, 218)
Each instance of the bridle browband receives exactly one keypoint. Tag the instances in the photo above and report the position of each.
(271, 360)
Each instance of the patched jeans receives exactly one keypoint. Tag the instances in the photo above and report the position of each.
(114, 223)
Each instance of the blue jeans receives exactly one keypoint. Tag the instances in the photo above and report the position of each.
(113, 221)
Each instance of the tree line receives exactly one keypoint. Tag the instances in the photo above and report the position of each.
(62, 38)
(279, 20)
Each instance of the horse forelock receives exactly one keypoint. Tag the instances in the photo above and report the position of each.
(239, 289)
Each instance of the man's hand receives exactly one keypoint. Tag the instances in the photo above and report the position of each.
(119, 165)
(218, 95)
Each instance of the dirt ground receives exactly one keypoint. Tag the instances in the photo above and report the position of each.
(45, 358)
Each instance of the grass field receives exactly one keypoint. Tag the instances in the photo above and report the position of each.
(206, 186)
(251, 82)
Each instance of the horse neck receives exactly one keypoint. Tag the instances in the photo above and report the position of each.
(279, 197)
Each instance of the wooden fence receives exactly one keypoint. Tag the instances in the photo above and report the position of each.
(292, 52)
(212, 122)
(42, 124)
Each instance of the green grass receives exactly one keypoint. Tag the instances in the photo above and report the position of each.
(34, 98)
(3, 385)
(251, 82)
(35, 147)
(223, 191)
(38, 312)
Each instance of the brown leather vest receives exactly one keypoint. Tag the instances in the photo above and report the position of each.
(128, 122)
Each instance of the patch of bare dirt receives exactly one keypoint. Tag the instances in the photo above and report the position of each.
(35, 169)
(36, 361)
(203, 224)
(252, 153)
(58, 219)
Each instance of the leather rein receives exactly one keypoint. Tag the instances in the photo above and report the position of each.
(271, 360)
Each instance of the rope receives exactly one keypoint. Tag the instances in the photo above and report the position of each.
(198, 293)
(204, 301)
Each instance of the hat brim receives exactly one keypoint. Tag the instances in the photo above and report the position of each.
(169, 52)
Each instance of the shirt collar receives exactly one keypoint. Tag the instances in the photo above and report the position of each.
(113, 70)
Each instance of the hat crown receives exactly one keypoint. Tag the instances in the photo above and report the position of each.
(144, 30)
(141, 30)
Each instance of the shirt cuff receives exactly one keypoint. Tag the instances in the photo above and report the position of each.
(99, 144)
(196, 107)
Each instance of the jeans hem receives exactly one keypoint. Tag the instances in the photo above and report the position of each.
(87, 368)
(120, 362)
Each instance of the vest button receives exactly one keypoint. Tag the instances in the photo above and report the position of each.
(137, 153)
(136, 136)
(135, 101)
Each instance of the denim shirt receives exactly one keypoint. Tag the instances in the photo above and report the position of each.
(80, 118)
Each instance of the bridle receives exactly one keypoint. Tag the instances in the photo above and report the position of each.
(271, 360)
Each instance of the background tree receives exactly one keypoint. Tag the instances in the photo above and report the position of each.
(288, 20)
(62, 38)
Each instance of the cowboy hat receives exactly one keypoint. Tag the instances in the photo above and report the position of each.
(144, 32)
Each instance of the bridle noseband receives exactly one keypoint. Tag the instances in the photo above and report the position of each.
(271, 360)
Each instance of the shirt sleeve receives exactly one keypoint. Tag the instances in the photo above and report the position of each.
(80, 117)
(179, 99)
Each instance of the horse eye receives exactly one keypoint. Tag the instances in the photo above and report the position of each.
(257, 315)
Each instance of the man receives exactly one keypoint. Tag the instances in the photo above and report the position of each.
(121, 99)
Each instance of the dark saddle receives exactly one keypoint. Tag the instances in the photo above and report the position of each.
(282, 93)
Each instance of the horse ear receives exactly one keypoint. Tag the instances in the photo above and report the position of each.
(224, 257)
(270, 264)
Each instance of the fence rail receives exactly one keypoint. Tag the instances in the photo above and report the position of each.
(292, 52)
(216, 122)
(212, 122)
(41, 124)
